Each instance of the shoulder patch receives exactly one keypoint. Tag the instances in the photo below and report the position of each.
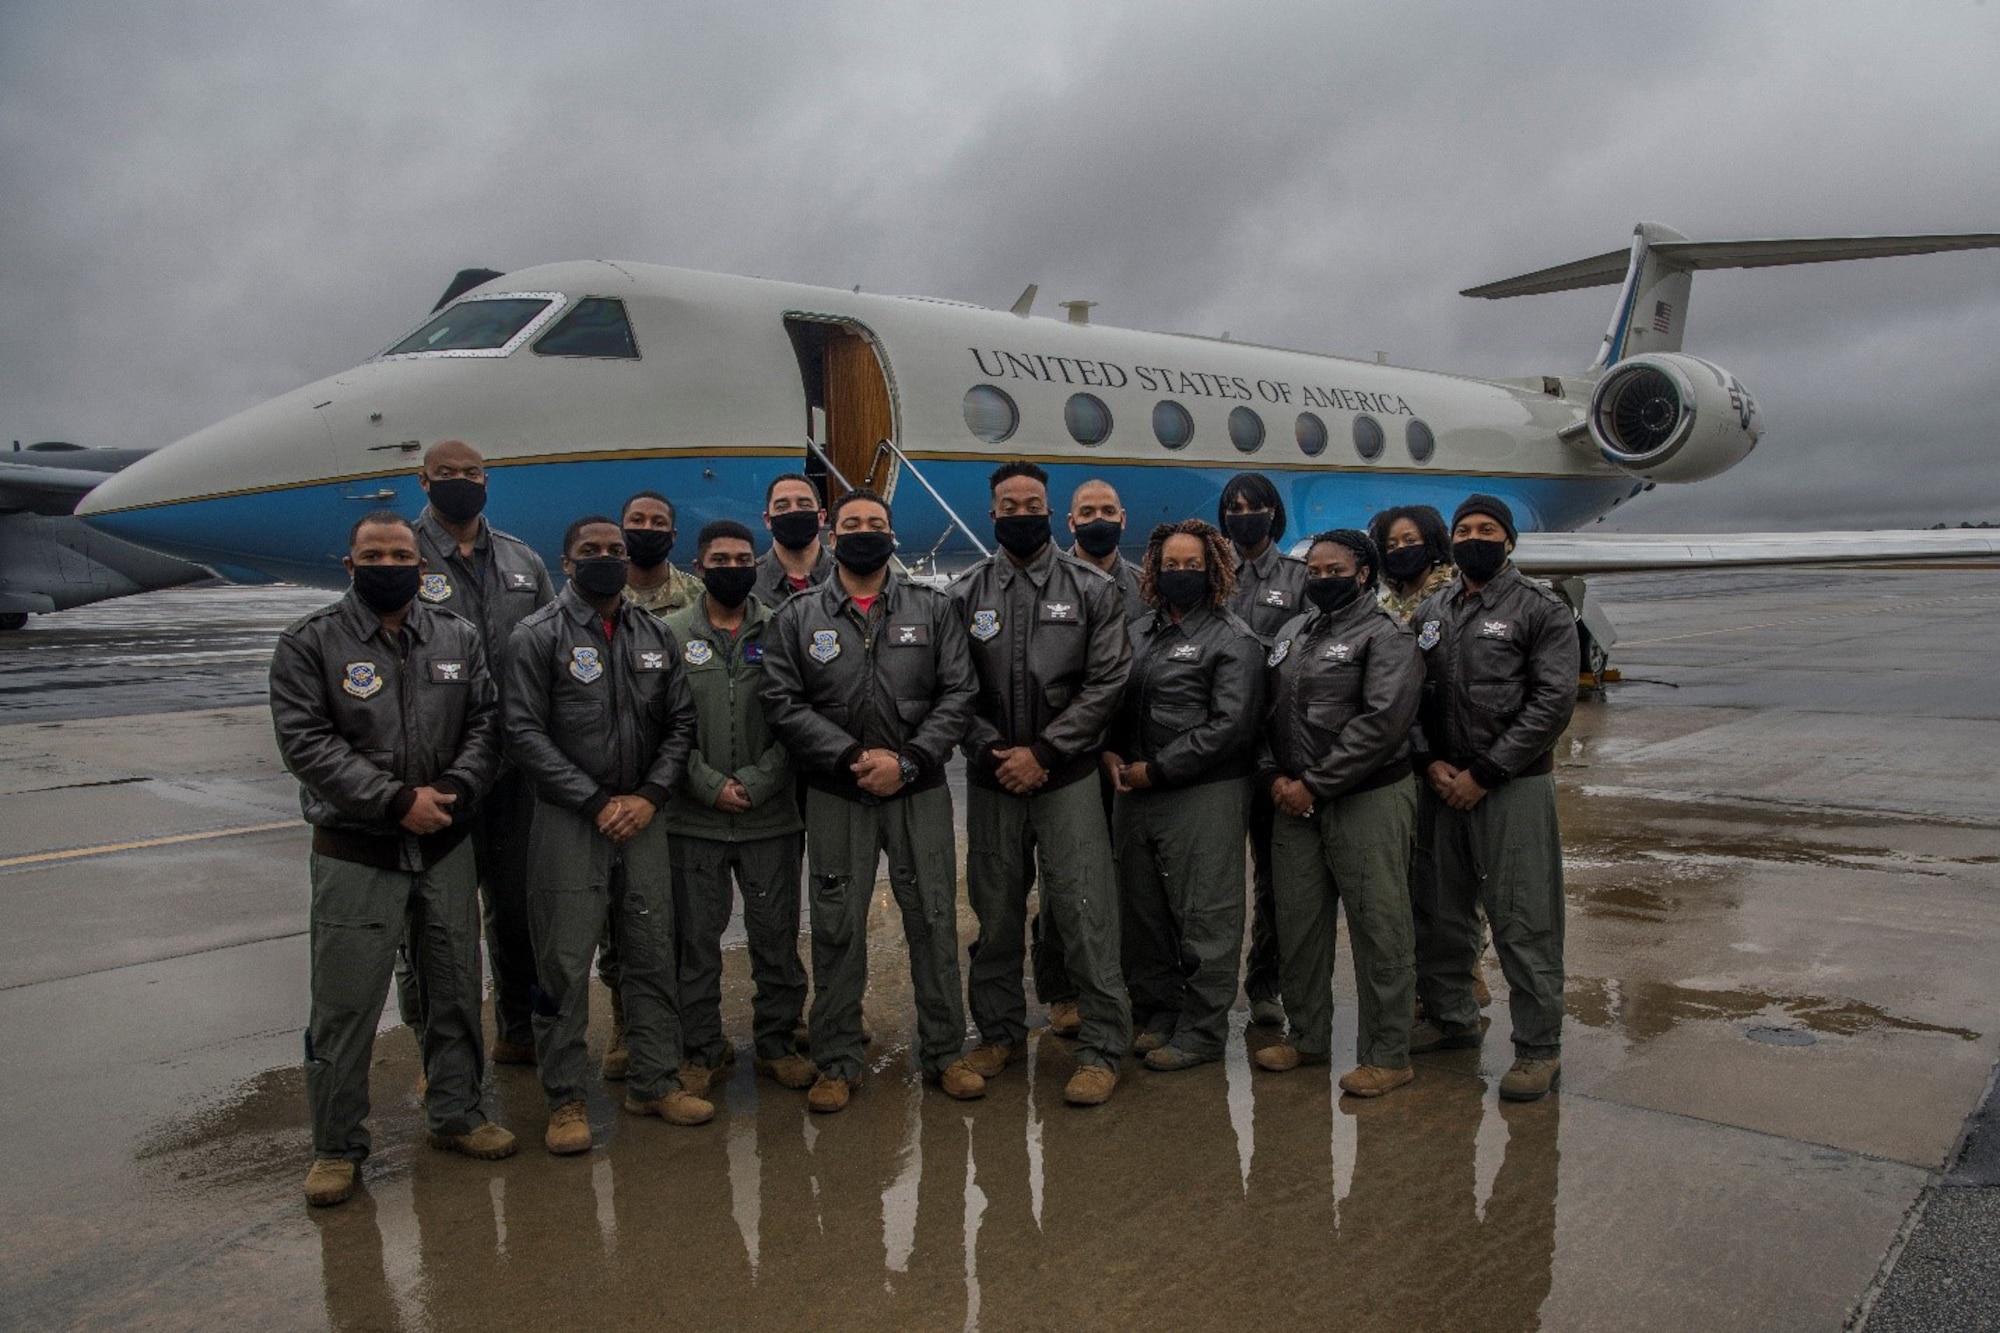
(825, 645)
(1427, 637)
(434, 588)
(586, 664)
(698, 652)
(1278, 653)
(362, 680)
(985, 624)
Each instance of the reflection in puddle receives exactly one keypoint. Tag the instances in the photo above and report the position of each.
(1165, 1200)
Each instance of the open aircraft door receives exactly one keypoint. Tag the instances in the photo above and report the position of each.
(850, 407)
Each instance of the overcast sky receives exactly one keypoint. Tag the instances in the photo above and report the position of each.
(202, 206)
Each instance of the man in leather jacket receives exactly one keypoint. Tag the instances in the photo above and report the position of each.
(1500, 655)
(868, 684)
(386, 714)
(600, 718)
(1051, 650)
(492, 579)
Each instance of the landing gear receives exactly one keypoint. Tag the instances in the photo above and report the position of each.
(11, 620)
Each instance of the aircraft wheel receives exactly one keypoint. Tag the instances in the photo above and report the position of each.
(13, 620)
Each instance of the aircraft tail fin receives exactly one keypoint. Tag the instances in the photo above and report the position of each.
(1658, 270)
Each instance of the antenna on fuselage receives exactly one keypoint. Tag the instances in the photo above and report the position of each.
(1079, 311)
(1025, 301)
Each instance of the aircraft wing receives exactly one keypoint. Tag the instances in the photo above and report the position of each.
(1553, 553)
(39, 489)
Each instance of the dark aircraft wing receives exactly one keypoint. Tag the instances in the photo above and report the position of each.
(37, 488)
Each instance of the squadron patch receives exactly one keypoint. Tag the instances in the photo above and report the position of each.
(652, 659)
(434, 588)
(753, 654)
(585, 664)
(985, 624)
(697, 653)
(447, 673)
(1427, 637)
(909, 636)
(363, 682)
(1278, 653)
(825, 645)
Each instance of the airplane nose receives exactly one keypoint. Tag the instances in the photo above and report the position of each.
(242, 495)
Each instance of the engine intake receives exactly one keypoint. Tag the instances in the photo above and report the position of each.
(1671, 417)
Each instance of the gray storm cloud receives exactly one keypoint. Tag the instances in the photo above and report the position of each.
(207, 206)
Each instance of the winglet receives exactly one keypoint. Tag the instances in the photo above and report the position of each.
(1026, 301)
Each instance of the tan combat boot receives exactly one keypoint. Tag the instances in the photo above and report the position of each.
(1281, 1057)
(488, 1143)
(1374, 1080)
(1148, 1041)
(830, 1094)
(568, 1131)
(697, 1079)
(1426, 1037)
(1090, 1085)
(1065, 1019)
(988, 1058)
(679, 1107)
(330, 1181)
(789, 1071)
(1531, 1079)
(962, 1082)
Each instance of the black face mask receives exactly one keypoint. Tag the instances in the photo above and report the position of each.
(648, 548)
(458, 500)
(1332, 594)
(598, 577)
(386, 588)
(795, 529)
(1479, 560)
(1407, 564)
(1022, 534)
(1182, 589)
(1248, 530)
(863, 553)
(729, 584)
(1099, 537)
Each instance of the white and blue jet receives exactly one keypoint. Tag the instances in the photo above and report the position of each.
(584, 382)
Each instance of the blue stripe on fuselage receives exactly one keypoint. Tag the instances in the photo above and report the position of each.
(299, 534)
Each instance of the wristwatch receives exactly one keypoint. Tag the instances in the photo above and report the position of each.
(908, 768)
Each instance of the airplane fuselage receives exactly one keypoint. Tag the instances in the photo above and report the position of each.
(732, 375)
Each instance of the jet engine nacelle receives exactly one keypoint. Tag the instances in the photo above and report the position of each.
(1672, 417)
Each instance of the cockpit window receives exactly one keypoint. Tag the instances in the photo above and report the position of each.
(482, 326)
(597, 327)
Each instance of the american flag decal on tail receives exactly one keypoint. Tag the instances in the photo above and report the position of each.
(1663, 316)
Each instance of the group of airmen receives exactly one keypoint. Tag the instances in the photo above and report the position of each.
(604, 765)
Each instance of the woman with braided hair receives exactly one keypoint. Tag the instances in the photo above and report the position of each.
(1180, 757)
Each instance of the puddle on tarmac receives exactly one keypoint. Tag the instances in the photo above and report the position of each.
(1643, 1010)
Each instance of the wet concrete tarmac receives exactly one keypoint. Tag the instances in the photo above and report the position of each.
(1784, 881)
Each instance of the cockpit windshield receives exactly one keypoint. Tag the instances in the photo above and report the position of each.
(482, 326)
